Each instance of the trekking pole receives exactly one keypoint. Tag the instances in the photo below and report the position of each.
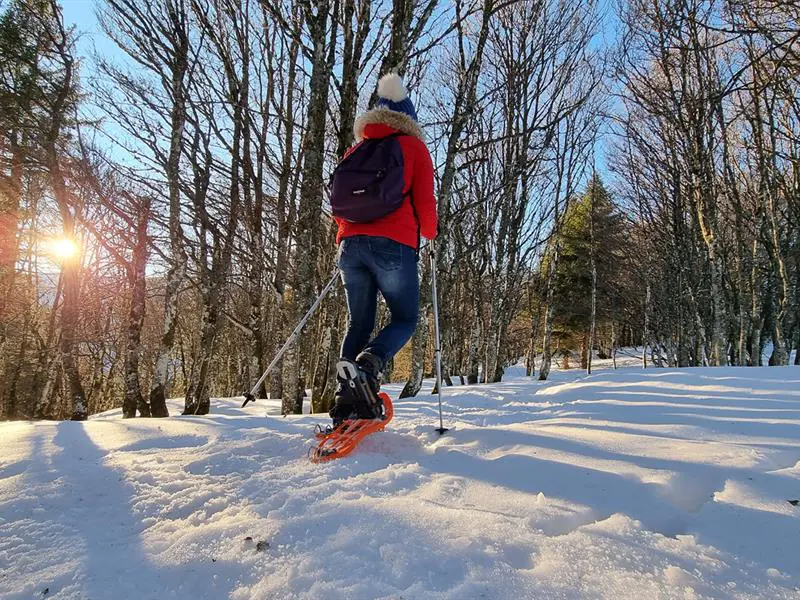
(438, 349)
(251, 395)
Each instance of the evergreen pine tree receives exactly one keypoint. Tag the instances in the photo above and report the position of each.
(592, 223)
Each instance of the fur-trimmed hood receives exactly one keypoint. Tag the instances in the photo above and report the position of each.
(383, 116)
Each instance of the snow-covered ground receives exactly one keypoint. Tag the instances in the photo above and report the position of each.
(626, 484)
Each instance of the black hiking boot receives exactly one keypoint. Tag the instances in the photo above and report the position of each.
(371, 367)
(362, 386)
(344, 407)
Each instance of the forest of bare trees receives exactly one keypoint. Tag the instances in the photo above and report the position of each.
(707, 151)
(606, 176)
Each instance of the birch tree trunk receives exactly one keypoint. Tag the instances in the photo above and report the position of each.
(613, 345)
(310, 209)
(178, 66)
(646, 327)
(465, 98)
(280, 317)
(137, 273)
(547, 338)
(254, 200)
(233, 50)
(473, 361)
(536, 320)
(419, 345)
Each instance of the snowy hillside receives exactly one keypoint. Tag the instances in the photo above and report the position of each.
(626, 484)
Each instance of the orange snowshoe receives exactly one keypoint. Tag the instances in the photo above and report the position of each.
(342, 440)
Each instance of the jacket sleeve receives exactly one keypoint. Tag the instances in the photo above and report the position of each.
(422, 192)
(339, 229)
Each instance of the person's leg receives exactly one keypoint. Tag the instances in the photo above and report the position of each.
(362, 296)
(394, 267)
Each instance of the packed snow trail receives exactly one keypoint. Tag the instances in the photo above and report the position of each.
(626, 484)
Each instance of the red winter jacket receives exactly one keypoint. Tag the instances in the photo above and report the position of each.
(400, 225)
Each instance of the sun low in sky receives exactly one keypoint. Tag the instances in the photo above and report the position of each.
(63, 248)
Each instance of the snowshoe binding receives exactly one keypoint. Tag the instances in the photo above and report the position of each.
(360, 410)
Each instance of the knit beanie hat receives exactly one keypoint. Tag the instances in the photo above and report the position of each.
(392, 95)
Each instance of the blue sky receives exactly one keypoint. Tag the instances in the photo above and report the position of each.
(81, 13)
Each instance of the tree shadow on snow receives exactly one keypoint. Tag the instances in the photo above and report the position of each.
(671, 496)
(87, 514)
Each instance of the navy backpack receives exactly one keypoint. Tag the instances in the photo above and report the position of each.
(368, 183)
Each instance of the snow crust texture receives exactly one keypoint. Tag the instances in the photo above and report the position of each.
(626, 484)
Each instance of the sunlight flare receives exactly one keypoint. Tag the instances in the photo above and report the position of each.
(63, 248)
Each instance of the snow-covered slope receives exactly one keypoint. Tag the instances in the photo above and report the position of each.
(626, 484)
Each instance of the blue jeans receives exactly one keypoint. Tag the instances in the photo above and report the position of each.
(369, 265)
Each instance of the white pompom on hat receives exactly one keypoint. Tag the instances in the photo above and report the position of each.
(391, 87)
(392, 94)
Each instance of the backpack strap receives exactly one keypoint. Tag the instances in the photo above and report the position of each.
(398, 134)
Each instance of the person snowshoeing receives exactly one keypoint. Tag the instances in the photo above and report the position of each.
(382, 200)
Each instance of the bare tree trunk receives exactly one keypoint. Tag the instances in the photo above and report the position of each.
(530, 366)
(547, 340)
(739, 231)
(474, 345)
(133, 394)
(48, 392)
(10, 199)
(762, 105)
(236, 94)
(465, 103)
(593, 266)
(179, 65)
(198, 393)
(492, 351)
(414, 383)
(646, 328)
(719, 344)
(613, 345)
(592, 318)
(797, 312)
(310, 209)
(404, 36)
(69, 326)
(281, 310)
(324, 379)
(754, 343)
(354, 39)
(254, 201)
(72, 265)
(292, 385)
(585, 350)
